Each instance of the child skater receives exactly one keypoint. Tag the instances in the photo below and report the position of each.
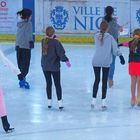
(113, 28)
(24, 44)
(134, 66)
(3, 113)
(52, 53)
(105, 47)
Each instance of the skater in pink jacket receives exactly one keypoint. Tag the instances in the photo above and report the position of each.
(3, 113)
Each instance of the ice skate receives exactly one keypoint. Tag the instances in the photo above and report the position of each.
(138, 101)
(24, 84)
(6, 125)
(93, 102)
(133, 102)
(110, 83)
(49, 103)
(104, 107)
(60, 105)
(9, 130)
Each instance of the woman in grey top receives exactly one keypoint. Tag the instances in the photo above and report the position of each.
(24, 43)
(105, 46)
(113, 29)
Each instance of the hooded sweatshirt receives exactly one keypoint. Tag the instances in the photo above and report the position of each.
(24, 34)
(104, 51)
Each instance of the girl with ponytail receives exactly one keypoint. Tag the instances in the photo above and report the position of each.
(134, 66)
(106, 46)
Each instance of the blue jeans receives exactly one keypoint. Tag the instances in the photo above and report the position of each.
(112, 68)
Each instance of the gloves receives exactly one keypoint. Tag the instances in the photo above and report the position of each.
(68, 63)
(20, 77)
(122, 61)
(31, 43)
(121, 44)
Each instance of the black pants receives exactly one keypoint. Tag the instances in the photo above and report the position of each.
(56, 77)
(23, 60)
(97, 80)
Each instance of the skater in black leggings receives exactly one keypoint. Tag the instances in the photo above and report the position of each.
(105, 47)
(52, 53)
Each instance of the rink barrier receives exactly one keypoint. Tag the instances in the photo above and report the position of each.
(68, 39)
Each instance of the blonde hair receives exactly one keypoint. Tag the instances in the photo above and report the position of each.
(49, 32)
(103, 29)
(136, 38)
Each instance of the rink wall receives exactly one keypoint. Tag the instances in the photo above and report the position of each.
(69, 17)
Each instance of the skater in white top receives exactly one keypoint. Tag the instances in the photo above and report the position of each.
(3, 113)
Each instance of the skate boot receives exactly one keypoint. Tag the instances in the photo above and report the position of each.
(49, 103)
(24, 84)
(6, 125)
(60, 105)
(133, 102)
(111, 83)
(93, 102)
(104, 107)
(138, 101)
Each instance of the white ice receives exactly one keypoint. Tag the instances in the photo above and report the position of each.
(28, 112)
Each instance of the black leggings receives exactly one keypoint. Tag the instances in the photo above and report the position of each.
(23, 60)
(97, 72)
(56, 77)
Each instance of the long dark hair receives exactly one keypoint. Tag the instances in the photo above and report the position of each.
(136, 36)
(103, 29)
(25, 13)
(108, 13)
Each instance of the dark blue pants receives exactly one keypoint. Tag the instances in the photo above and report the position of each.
(23, 60)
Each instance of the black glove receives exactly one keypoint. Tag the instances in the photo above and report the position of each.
(16, 48)
(31, 43)
(20, 77)
(122, 61)
(120, 44)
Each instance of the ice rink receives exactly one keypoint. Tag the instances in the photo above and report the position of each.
(28, 112)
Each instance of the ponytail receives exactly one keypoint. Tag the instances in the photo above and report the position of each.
(45, 46)
(134, 43)
(103, 29)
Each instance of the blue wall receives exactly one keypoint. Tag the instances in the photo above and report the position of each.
(30, 4)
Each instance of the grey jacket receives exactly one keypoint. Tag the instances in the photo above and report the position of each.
(103, 52)
(24, 34)
(55, 54)
(113, 28)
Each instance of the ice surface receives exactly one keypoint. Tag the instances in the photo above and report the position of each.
(28, 113)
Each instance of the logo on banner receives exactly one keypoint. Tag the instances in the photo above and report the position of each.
(59, 17)
(138, 16)
(3, 6)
